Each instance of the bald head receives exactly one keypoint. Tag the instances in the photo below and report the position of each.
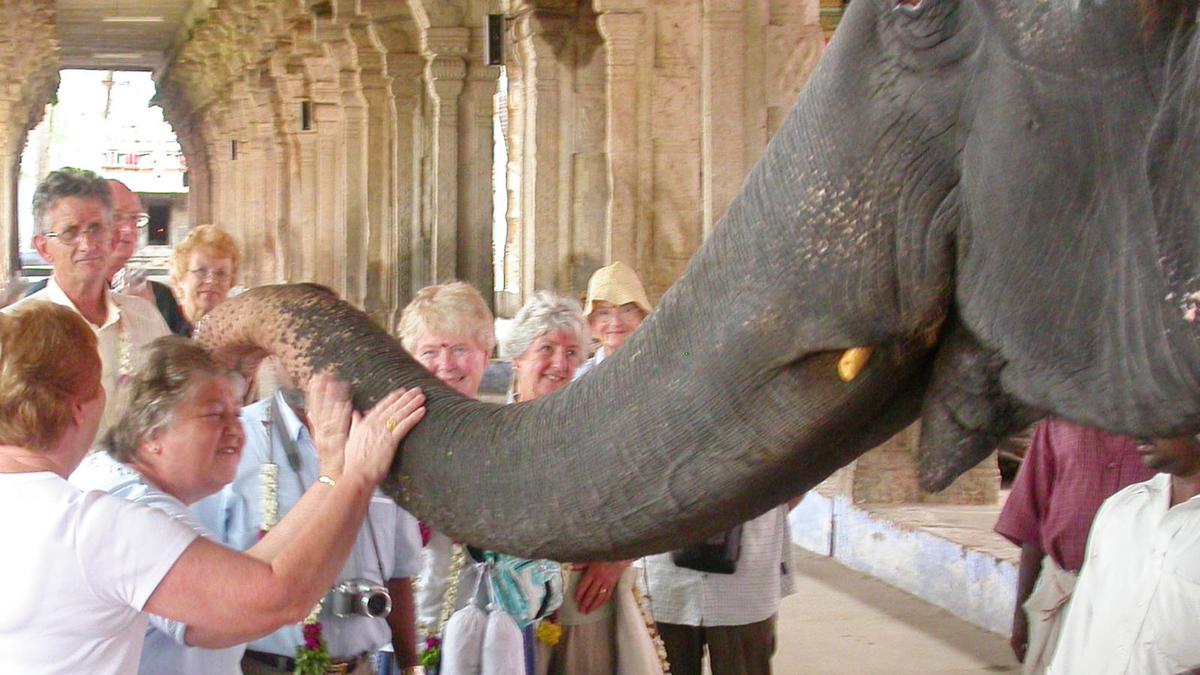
(126, 209)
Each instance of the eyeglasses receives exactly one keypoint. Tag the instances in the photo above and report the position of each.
(96, 233)
(141, 219)
(203, 273)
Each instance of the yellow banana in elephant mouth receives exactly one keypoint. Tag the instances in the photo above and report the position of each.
(853, 361)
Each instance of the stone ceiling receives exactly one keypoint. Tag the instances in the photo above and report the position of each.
(123, 34)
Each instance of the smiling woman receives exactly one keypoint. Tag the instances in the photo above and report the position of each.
(178, 440)
(203, 269)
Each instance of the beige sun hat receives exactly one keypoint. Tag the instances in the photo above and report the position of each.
(616, 284)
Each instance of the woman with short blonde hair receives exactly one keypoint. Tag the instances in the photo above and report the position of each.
(455, 308)
(204, 267)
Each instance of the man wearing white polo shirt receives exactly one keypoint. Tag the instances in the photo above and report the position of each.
(72, 214)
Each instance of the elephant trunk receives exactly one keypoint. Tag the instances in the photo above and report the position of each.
(725, 403)
(709, 415)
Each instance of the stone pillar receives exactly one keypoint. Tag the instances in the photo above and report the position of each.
(287, 93)
(10, 171)
(377, 254)
(627, 34)
(28, 81)
(405, 69)
(445, 70)
(475, 146)
(543, 207)
(722, 105)
(508, 287)
(329, 228)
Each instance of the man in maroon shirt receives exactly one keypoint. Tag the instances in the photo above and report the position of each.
(1067, 473)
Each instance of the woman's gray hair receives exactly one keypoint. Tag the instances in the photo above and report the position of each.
(545, 312)
(171, 365)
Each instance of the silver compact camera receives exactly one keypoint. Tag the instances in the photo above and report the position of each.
(359, 597)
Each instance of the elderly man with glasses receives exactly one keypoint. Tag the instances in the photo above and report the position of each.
(72, 213)
(127, 218)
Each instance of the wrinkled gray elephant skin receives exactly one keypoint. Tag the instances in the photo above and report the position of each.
(999, 196)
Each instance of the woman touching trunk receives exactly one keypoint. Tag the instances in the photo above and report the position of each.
(105, 561)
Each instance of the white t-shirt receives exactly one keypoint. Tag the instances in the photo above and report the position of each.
(165, 649)
(80, 567)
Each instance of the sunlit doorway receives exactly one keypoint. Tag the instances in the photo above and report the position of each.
(103, 120)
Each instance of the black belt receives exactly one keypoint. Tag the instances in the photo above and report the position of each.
(275, 661)
(288, 664)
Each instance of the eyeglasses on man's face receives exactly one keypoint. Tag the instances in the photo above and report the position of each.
(139, 219)
(97, 233)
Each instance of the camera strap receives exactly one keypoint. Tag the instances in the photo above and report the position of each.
(375, 545)
(292, 451)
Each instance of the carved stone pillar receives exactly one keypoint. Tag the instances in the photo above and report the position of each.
(287, 93)
(722, 105)
(445, 71)
(405, 69)
(329, 228)
(476, 118)
(10, 159)
(543, 206)
(624, 28)
(377, 253)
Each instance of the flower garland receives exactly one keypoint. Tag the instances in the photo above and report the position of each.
(312, 657)
(269, 475)
(124, 355)
(431, 650)
(651, 627)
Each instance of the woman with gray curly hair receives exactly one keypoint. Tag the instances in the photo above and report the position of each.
(546, 344)
(180, 439)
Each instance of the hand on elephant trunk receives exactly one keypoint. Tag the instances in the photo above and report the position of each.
(329, 414)
(374, 437)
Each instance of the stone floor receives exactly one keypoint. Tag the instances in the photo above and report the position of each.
(842, 621)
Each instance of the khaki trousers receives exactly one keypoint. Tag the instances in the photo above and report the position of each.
(1044, 610)
(732, 650)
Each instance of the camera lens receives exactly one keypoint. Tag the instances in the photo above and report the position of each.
(378, 604)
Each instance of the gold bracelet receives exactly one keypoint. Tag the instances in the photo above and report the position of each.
(326, 480)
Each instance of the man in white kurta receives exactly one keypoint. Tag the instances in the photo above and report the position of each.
(73, 217)
(1136, 606)
(733, 615)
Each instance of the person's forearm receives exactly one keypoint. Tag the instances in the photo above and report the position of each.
(1028, 571)
(305, 510)
(403, 622)
(246, 599)
(309, 561)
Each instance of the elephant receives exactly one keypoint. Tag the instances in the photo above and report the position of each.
(990, 204)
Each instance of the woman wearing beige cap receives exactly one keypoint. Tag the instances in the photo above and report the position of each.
(603, 629)
(616, 306)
